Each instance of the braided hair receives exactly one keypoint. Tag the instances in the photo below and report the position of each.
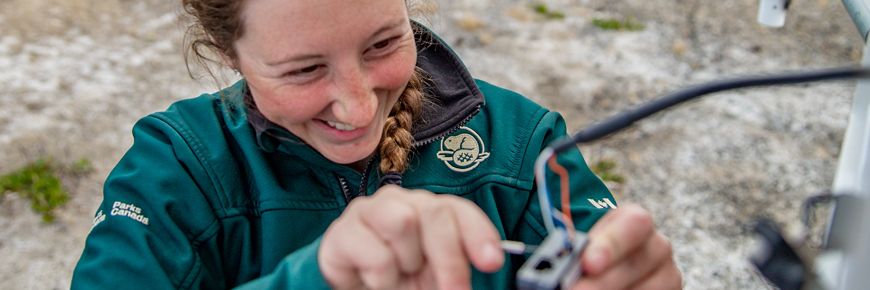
(397, 140)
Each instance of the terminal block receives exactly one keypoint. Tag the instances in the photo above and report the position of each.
(552, 266)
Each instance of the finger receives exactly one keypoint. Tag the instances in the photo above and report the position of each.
(377, 270)
(351, 254)
(441, 245)
(427, 279)
(636, 267)
(422, 280)
(479, 236)
(397, 223)
(604, 220)
(666, 277)
(621, 232)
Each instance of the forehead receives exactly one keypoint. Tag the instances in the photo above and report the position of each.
(305, 24)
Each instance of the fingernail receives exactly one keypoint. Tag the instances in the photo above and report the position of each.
(596, 260)
(490, 252)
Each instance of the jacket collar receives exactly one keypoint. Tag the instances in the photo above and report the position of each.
(454, 95)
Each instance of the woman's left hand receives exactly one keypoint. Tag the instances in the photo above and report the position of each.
(626, 252)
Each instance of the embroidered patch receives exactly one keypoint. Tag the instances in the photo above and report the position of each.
(463, 151)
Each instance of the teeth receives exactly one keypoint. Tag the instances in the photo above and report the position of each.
(340, 126)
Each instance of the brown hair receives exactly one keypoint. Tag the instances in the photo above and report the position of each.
(397, 140)
(215, 27)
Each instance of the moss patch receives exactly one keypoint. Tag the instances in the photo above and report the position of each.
(629, 24)
(40, 182)
(546, 12)
(604, 169)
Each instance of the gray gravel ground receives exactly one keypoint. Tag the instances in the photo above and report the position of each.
(75, 75)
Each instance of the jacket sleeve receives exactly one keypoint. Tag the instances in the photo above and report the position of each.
(156, 228)
(589, 197)
(297, 271)
(153, 218)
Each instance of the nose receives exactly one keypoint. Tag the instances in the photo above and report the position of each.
(354, 102)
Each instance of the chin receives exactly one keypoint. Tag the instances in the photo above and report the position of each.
(346, 160)
(349, 155)
(351, 152)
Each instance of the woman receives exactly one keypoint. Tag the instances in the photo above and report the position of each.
(289, 179)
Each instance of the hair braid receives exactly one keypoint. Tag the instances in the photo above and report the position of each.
(397, 139)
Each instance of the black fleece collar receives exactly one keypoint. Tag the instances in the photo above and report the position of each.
(454, 95)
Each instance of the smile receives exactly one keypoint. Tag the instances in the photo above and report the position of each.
(340, 126)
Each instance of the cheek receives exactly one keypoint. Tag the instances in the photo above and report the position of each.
(393, 73)
(289, 106)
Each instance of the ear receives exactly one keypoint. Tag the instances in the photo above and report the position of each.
(229, 61)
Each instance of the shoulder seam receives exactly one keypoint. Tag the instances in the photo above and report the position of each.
(193, 147)
(523, 138)
(209, 231)
(198, 150)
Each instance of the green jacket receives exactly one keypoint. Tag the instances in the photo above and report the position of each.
(213, 196)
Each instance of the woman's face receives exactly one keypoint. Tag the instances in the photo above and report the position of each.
(329, 71)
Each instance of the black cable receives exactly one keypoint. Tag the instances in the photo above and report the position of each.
(627, 118)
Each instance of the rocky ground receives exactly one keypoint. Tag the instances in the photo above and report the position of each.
(75, 75)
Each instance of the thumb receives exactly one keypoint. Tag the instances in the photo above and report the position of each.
(619, 233)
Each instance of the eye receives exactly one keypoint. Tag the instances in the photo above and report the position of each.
(382, 44)
(306, 74)
(382, 47)
(306, 70)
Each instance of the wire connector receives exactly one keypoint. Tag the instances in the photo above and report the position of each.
(551, 266)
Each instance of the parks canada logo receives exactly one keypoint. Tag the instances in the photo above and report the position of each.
(463, 151)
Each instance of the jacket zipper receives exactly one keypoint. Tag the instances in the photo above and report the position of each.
(344, 188)
(363, 185)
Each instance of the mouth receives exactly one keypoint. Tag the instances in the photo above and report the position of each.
(340, 132)
(340, 126)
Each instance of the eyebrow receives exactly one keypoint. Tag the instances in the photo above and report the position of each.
(304, 57)
(390, 26)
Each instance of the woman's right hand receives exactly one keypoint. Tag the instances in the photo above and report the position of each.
(408, 239)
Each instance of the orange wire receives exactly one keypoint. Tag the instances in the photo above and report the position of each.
(563, 176)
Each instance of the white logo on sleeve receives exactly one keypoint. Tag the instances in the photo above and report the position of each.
(602, 204)
(130, 211)
(98, 219)
(464, 151)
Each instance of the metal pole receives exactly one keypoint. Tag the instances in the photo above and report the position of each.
(860, 12)
(850, 225)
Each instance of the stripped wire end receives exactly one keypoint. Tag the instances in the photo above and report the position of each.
(567, 226)
(517, 248)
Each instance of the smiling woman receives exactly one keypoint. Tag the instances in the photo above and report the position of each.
(338, 94)
(349, 73)
(271, 183)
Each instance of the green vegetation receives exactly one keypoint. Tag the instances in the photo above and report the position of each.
(546, 12)
(629, 24)
(39, 182)
(604, 169)
(80, 166)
